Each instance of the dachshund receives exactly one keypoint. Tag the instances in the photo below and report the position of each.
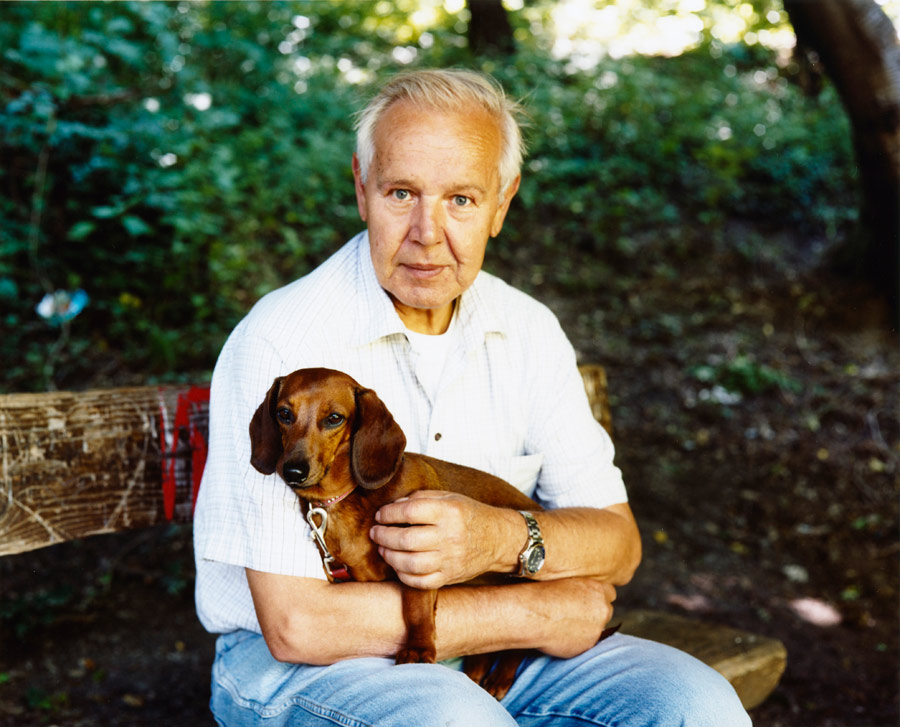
(336, 445)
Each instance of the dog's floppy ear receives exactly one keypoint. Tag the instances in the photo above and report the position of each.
(265, 437)
(378, 442)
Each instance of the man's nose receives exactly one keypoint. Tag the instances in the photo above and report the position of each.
(427, 224)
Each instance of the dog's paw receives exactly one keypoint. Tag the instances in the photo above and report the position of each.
(501, 678)
(416, 655)
(497, 691)
(477, 666)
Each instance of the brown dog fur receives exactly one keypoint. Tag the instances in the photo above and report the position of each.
(321, 426)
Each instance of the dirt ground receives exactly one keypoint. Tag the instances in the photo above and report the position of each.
(755, 406)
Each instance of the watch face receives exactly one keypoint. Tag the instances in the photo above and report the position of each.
(535, 559)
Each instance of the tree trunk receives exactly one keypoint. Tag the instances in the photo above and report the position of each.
(489, 28)
(857, 44)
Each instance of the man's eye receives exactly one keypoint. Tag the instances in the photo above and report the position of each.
(285, 415)
(401, 194)
(334, 420)
(461, 201)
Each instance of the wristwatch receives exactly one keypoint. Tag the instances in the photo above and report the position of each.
(532, 557)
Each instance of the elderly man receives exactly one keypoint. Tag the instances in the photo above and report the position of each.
(474, 372)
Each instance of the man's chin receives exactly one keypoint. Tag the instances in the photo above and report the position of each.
(424, 297)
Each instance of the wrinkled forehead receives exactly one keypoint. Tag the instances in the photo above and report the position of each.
(404, 117)
(463, 141)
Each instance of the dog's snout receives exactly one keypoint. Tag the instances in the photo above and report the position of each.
(295, 473)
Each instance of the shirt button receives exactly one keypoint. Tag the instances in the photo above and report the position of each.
(437, 437)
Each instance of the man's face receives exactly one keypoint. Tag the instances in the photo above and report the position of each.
(431, 202)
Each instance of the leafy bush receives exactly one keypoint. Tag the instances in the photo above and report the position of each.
(178, 160)
(743, 375)
(645, 142)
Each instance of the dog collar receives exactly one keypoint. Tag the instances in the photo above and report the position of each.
(333, 500)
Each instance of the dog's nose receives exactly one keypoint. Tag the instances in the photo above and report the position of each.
(295, 473)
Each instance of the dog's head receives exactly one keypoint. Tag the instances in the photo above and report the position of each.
(316, 422)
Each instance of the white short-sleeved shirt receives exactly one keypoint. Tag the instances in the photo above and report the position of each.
(510, 401)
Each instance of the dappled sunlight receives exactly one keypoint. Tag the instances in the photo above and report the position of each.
(586, 31)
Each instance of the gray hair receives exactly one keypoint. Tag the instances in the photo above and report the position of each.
(446, 90)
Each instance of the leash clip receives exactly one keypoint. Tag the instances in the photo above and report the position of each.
(336, 572)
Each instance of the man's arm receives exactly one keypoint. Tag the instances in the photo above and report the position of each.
(311, 621)
(457, 538)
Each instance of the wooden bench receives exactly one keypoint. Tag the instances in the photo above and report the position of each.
(79, 464)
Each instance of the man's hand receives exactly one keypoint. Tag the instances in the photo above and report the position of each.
(582, 609)
(561, 618)
(450, 538)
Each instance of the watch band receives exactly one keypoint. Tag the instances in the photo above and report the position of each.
(532, 556)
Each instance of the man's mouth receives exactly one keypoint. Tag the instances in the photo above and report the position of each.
(423, 272)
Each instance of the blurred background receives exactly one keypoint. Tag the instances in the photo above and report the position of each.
(709, 203)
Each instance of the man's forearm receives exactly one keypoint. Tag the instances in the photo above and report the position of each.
(310, 621)
(459, 538)
(604, 544)
(314, 622)
(561, 618)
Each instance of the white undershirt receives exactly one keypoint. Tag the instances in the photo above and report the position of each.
(431, 353)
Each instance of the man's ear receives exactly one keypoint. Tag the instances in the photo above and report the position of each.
(265, 436)
(378, 442)
(360, 188)
(500, 214)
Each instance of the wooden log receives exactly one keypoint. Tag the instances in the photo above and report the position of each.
(77, 464)
(597, 390)
(752, 663)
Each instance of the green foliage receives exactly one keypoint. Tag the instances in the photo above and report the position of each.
(34, 610)
(645, 143)
(178, 160)
(743, 375)
(37, 698)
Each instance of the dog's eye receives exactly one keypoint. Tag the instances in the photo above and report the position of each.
(334, 420)
(285, 415)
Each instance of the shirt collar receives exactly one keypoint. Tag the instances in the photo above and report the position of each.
(377, 318)
(480, 313)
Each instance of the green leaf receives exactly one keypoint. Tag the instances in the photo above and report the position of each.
(8, 288)
(82, 229)
(136, 226)
(105, 213)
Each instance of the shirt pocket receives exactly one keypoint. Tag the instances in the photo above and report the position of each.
(521, 472)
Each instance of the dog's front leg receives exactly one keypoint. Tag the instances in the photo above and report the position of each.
(418, 613)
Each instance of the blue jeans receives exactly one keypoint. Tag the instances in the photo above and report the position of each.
(621, 681)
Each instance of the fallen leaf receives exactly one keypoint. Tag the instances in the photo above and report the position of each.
(696, 602)
(816, 612)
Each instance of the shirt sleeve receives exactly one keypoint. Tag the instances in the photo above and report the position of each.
(578, 467)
